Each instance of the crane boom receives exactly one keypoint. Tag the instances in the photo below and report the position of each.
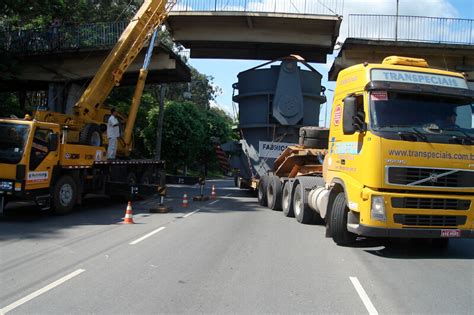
(150, 15)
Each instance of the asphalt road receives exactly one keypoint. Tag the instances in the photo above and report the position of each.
(224, 256)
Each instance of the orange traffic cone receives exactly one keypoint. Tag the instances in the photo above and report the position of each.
(185, 200)
(128, 215)
(213, 192)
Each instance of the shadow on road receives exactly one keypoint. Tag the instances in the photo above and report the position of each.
(421, 249)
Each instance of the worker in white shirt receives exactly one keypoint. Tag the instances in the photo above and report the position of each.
(113, 132)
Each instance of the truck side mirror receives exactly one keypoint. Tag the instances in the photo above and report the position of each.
(352, 120)
(350, 111)
(53, 141)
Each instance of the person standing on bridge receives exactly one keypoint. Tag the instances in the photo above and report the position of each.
(113, 133)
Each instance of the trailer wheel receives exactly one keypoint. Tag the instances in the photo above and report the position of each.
(287, 202)
(91, 135)
(262, 191)
(64, 195)
(303, 213)
(338, 222)
(274, 193)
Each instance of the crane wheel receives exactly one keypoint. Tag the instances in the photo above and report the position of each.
(91, 135)
(64, 195)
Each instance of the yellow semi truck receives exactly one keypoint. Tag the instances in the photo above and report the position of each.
(400, 161)
(55, 159)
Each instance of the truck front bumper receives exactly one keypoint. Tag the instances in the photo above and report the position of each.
(364, 230)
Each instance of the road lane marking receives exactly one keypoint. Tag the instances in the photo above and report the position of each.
(191, 213)
(228, 195)
(214, 202)
(363, 296)
(147, 236)
(40, 291)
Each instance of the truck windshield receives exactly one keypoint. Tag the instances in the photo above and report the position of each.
(12, 142)
(419, 113)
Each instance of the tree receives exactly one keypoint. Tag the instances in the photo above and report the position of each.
(184, 133)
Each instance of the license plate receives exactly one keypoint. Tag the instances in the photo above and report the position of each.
(450, 233)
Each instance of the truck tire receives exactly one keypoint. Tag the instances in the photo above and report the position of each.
(314, 132)
(338, 222)
(64, 195)
(303, 213)
(287, 201)
(274, 193)
(262, 191)
(91, 135)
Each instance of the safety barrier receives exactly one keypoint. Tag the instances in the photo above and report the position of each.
(317, 7)
(411, 28)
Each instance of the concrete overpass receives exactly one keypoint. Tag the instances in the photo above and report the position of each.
(58, 69)
(445, 43)
(255, 35)
(37, 71)
(258, 30)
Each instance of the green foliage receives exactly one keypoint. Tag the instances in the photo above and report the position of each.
(29, 14)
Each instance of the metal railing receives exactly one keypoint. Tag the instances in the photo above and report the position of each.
(62, 38)
(315, 7)
(411, 28)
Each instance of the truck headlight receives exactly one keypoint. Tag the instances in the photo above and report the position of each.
(377, 211)
(8, 186)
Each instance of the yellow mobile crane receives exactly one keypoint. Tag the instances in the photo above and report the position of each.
(55, 159)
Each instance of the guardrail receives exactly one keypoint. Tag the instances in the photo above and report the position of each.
(315, 7)
(411, 28)
(62, 38)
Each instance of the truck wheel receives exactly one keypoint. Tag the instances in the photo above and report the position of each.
(91, 135)
(338, 222)
(64, 195)
(262, 191)
(303, 213)
(274, 193)
(287, 202)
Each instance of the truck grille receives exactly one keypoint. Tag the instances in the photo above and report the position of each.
(430, 177)
(431, 203)
(429, 220)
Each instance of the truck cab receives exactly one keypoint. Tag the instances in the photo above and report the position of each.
(26, 173)
(401, 151)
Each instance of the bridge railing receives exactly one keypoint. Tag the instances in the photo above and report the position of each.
(411, 28)
(62, 38)
(317, 7)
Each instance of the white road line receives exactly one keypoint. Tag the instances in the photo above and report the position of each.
(191, 213)
(363, 296)
(214, 202)
(147, 236)
(228, 195)
(40, 291)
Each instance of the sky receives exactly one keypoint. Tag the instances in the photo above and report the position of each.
(225, 72)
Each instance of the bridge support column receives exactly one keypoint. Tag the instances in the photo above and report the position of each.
(63, 96)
